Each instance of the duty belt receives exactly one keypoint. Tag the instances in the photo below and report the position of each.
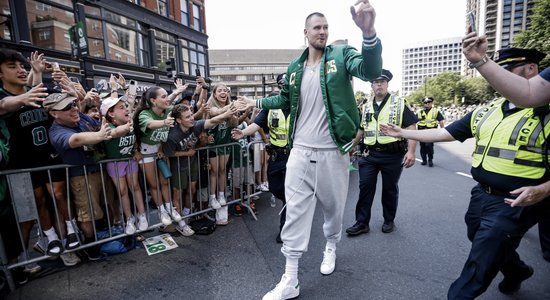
(388, 148)
(490, 190)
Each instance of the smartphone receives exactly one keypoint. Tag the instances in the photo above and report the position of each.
(55, 67)
(197, 72)
(132, 89)
(471, 22)
(74, 79)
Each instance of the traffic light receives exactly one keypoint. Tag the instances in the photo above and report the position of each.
(171, 68)
(462, 92)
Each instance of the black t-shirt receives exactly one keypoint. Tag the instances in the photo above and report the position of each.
(29, 141)
(182, 141)
(461, 131)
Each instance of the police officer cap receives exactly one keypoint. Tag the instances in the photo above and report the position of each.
(428, 99)
(510, 57)
(281, 78)
(386, 75)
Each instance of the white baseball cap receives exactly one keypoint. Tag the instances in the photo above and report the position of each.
(107, 103)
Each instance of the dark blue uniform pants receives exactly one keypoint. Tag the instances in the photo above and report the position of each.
(390, 166)
(426, 151)
(495, 230)
(276, 171)
(544, 235)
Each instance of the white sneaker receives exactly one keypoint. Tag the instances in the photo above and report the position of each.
(221, 200)
(32, 268)
(175, 215)
(214, 202)
(142, 222)
(264, 187)
(329, 261)
(130, 225)
(283, 290)
(69, 259)
(164, 217)
(185, 230)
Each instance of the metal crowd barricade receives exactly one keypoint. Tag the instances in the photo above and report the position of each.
(24, 205)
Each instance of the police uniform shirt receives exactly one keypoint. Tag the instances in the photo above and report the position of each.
(262, 117)
(438, 118)
(460, 130)
(409, 117)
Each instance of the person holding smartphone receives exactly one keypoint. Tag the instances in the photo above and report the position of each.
(507, 164)
(521, 91)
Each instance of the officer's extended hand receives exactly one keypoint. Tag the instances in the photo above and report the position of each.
(527, 195)
(391, 130)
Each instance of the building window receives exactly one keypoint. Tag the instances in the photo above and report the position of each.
(44, 35)
(196, 17)
(165, 48)
(162, 8)
(184, 12)
(6, 24)
(53, 16)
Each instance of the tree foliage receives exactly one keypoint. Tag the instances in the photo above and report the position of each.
(450, 88)
(538, 34)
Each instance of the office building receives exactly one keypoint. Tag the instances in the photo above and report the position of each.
(429, 59)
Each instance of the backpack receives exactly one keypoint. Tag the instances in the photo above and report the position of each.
(118, 246)
(203, 226)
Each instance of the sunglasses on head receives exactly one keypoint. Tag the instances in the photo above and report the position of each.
(69, 106)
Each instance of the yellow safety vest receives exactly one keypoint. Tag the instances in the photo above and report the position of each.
(511, 146)
(392, 112)
(429, 119)
(278, 135)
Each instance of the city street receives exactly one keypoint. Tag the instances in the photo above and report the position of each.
(419, 260)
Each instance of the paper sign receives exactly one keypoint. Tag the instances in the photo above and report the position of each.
(159, 243)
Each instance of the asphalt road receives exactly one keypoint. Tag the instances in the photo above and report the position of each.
(242, 261)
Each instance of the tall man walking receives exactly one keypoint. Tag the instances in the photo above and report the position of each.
(322, 126)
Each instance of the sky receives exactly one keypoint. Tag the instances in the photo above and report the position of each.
(279, 24)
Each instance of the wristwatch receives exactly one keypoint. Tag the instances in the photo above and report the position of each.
(479, 63)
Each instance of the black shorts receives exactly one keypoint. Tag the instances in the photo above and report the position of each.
(40, 178)
(10, 233)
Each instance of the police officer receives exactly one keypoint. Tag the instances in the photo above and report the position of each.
(508, 162)
(384, 154)
(429, 117)
(276, 121)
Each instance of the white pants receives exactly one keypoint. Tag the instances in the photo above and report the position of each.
(313, 175)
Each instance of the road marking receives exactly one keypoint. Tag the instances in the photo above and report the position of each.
(464, 174)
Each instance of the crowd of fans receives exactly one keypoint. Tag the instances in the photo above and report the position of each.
(122, 150)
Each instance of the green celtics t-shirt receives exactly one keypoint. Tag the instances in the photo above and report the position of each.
(120, 147)
(153, 136)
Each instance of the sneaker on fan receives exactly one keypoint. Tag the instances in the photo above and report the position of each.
(32, 268)
(214, 202)
(221, 200)
(164, 217)
(185, 230)
(285, 289)
(130, 225)
(175, 215)
(70, 259)
(142, 222)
